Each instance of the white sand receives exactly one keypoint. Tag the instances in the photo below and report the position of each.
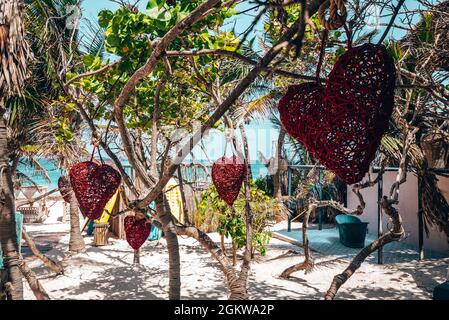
(107, 273)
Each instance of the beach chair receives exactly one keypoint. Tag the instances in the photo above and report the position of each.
(352, 230)
(36, 212)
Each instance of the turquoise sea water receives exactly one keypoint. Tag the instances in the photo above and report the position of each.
(54, 173)
(51, 168)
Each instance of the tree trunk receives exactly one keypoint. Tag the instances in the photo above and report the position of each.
(3, 280)
(222, 244)
(33, 282)
(307, 265)
(236, 287)
(165, 217)
(277, 185)
(245, 147)
(8, 236)
(234, 253)
(136, 256)
(46, 260)
(76, 242)
(240, 290)
(395, 234)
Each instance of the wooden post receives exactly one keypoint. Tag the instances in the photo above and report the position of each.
(380, 254)
(320, 210)
(289, 178)
(420, 221)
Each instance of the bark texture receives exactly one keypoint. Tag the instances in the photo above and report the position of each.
(33, 282)
(76, 242)
(307, 265)
(237, 291)
(165, 217)
(277, 185)
(8, 236)
(136, 259)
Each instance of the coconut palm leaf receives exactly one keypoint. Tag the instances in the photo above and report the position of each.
(23, 179)
(434, 204)
(14, 49)
(257, 109)
(38, 169)
(392, 148)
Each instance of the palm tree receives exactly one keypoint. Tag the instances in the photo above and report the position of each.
(26, 105)
(14, 54)
(58, 49)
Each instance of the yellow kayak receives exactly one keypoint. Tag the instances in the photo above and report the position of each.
(174, 199)
(108, 208)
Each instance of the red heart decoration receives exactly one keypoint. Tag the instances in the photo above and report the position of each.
(64, 188)
(137, 231)
(227, 176)
(342, 123)
(93, 185)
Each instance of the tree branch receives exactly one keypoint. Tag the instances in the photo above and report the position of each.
(227, 103)
(234, 54)
(91, 73)
(158, 48)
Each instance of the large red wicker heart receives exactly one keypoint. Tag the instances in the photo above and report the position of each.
(93, 185)
(228, 175)
(137, 231)
(64, 188)
(342, 124)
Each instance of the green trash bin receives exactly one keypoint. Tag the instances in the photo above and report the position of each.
(352, 230)
(19, 226)
(441, 291)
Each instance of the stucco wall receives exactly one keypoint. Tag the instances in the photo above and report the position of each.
(408, 207)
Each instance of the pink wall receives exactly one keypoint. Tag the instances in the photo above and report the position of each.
(408, 208)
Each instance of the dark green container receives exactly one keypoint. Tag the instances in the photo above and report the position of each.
(441, 291)
(19, 226)
(352, 230)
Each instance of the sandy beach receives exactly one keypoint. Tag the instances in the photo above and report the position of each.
(108, 272)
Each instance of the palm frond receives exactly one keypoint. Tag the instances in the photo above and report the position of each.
(259, 108)
(392, 148)
(36, 167)
(435, 206)
(14, 49)
(24, 179)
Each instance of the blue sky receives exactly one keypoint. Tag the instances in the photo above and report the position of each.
(91, 8)
(262, 135)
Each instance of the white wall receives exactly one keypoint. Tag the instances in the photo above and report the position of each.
(408, 208)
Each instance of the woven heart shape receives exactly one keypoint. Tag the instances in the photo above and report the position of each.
(64, 188)
(342, 123)
(227, 176)
(94, 185)
(137, 231)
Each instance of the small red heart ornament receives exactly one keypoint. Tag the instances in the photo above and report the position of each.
(94, 185)
(137, 231)
(227, 176)
(64, 188)
(341, 124)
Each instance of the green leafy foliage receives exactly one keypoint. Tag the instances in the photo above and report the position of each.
(230, 222)
(128, 37)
